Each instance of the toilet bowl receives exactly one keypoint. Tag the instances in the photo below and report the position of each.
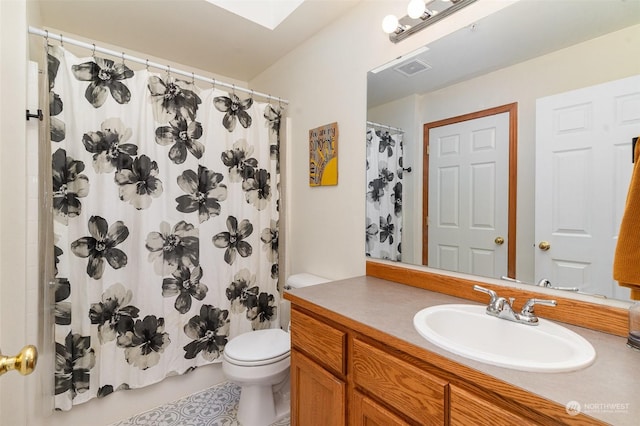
(259, 361)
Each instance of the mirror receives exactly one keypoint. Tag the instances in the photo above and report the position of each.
(518, 55)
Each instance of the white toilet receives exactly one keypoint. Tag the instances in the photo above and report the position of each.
(258, 361)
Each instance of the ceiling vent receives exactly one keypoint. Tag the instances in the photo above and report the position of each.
(412, 68)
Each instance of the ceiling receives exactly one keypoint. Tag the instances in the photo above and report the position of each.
(192, 32)
(521, 31)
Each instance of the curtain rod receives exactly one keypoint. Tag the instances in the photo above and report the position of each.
(384, 126)
(47, 35)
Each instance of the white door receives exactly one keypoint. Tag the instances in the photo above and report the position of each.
(468, 196)
(13, 183)
(583, 168)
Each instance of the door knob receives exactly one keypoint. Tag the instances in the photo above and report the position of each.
(499, 241)
(24, 362)
(544, 245)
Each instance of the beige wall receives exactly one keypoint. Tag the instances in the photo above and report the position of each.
(325, 81)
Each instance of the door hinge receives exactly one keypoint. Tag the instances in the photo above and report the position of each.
(38, 115)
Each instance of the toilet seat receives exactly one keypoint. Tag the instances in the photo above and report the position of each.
(261, 347)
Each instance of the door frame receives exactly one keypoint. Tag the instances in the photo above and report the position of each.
(512, 110)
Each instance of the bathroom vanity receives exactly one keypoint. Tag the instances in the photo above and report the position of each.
(356, 359)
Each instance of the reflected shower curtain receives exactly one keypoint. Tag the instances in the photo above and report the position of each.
(166, 223)
(384, 195)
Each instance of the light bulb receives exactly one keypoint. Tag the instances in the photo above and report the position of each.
(415, 8)
(389, 24)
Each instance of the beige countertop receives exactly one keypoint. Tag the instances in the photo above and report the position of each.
(608, 390)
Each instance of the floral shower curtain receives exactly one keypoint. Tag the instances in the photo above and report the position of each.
(166, 223)
(384, 195)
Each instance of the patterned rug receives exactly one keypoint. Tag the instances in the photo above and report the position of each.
(216, 406)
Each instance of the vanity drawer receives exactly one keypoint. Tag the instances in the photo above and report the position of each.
(368, 413)
(470, 409)
(399, 384)
(323, 343)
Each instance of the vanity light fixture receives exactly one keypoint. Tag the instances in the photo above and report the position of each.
(417, 9)
(420, 16)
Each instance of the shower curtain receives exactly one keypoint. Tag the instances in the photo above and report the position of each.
(384, 195)
(165, 203)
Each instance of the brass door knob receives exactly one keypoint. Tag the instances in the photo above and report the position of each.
(24, 362)
(499, 241)
(544, 245)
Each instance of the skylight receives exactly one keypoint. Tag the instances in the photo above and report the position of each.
(268, 13)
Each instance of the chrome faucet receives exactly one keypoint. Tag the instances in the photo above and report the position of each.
(547, 284)
(502, 308)
(542, 283)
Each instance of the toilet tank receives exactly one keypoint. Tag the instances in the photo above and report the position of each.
(296, 281)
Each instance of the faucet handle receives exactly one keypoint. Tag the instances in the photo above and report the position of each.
(544, 283)
(527, 309)
(490, 292)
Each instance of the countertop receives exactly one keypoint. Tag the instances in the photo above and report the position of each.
(608, 390)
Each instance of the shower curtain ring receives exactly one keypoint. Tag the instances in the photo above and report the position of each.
(146, 64)
(168, 71)
(279, 102)
(61, 41)
(233, 89)
(213, 84)
(193, 78)
(93, 51)
(252, 93)
(122, 58)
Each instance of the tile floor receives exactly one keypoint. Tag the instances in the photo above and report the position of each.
(216, 406)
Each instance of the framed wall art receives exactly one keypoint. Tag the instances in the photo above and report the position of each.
(323, 155)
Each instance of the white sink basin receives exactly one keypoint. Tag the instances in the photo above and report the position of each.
(468, 331)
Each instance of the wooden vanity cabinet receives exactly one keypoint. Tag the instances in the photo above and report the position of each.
(341, 376)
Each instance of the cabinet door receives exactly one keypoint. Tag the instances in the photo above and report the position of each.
(368, 413)
(469, 409)
(317, 396)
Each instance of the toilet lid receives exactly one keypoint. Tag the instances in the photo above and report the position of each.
(259, 345)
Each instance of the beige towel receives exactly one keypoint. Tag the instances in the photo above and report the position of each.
(626, 262)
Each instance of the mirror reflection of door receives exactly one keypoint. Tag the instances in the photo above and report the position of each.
(583, 167)
(469, 199)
